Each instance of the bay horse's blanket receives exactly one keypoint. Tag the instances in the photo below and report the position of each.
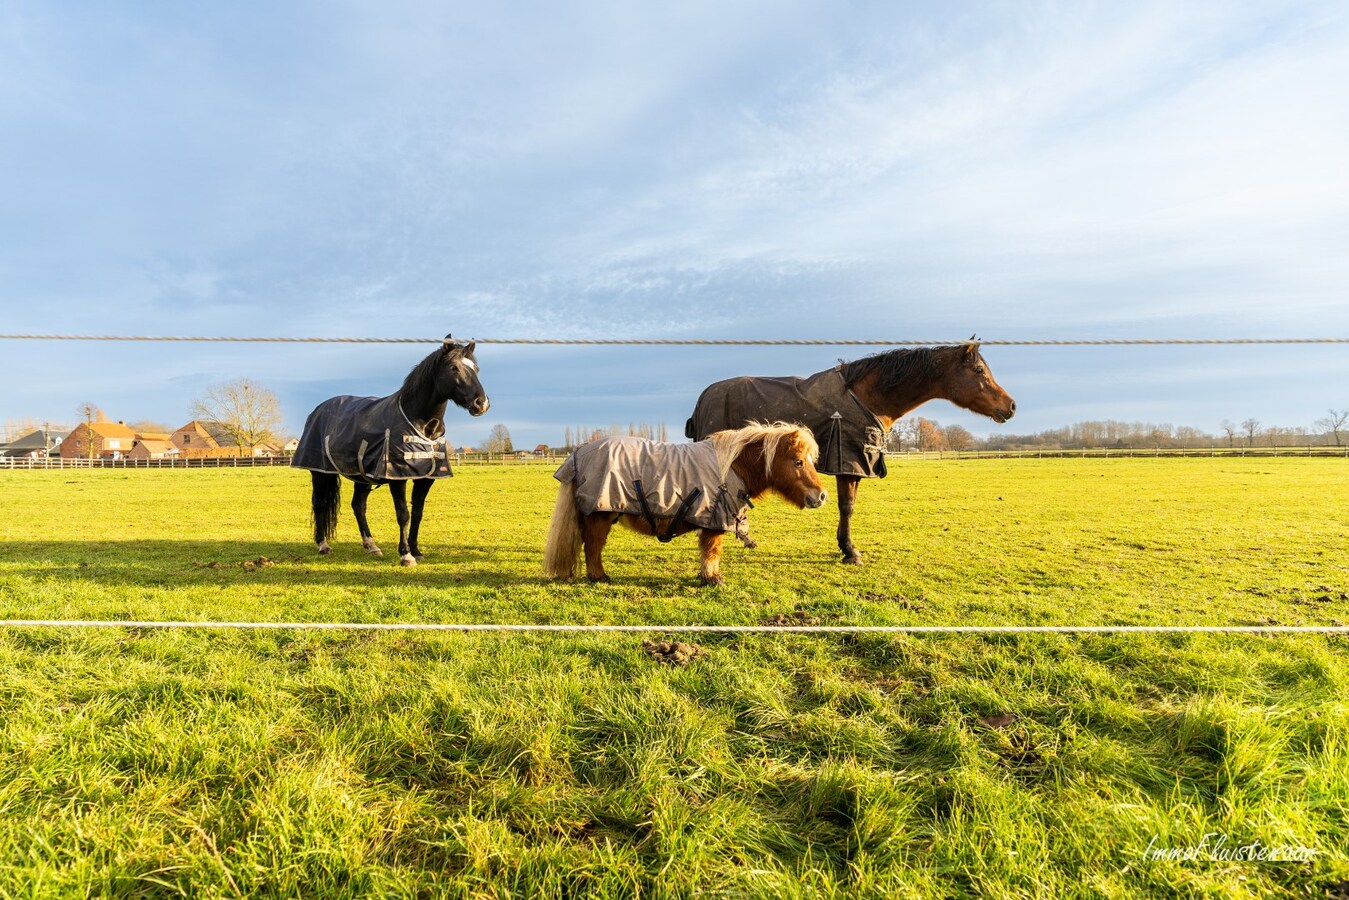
(369, 439)
(851, 438)
(605, 474)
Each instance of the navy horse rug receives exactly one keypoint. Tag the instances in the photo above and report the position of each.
(851, 438)
(652, 479)
(369, 439)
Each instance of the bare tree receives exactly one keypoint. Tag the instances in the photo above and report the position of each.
(1334, 423)
(929, 435)
(1252, 428)
(499, 440)
(90, 413)
(958, 437)
(248, 413)
(1230, 429)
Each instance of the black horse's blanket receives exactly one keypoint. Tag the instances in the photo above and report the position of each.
(851, 438)
(369, 439)
(670, 481)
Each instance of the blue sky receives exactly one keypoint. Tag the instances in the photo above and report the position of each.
(831, 170)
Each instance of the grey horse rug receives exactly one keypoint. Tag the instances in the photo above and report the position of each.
(369, 439)
(656, 480)
(851, 438)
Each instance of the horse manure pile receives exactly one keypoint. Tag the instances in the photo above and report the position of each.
(672, 653)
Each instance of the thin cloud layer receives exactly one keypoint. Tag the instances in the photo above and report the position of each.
(1037, 170)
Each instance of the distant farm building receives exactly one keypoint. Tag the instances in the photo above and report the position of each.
(98, 440)
(194, 441)
(199, 439)
(34, 445)
(153, 447)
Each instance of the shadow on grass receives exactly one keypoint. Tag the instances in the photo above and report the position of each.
(180, 563)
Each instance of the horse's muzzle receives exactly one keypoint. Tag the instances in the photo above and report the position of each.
(479, 406)
(816, 499)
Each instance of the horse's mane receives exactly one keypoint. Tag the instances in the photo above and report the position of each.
(422, 379)
(729, 444)
(895, 368)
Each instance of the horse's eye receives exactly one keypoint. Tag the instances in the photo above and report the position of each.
(800, 464)
(978, 370)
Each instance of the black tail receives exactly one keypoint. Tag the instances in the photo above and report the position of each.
(327, 498)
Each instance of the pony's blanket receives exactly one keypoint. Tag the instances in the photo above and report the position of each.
(369, 439)
(851, 438)
(605, 473)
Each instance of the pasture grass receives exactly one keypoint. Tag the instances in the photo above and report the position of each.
(303, 763)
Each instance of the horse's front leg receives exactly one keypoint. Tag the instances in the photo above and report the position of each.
(594, 535)
(709, 544)
(398, 491)
(358, 498)
(847, 501)
(420, 488)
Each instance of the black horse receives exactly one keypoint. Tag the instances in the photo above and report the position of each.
(852, 407)
(388, 440)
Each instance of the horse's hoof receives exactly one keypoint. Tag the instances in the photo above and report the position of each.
(418, 557)
(375, 552)
(602, 579)
(749, 543)
(408, 560)
(852, 559)
(324, 549)
(714, 581)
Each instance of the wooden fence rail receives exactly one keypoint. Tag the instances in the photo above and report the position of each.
(518, 459)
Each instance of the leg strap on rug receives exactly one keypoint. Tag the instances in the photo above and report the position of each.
(668, 534)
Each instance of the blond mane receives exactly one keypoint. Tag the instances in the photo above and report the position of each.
(729, 444)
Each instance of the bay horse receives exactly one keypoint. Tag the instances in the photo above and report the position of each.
(852, 407)
(388, 440)
(704, 487)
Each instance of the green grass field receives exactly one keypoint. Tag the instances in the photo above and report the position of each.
(304, 763)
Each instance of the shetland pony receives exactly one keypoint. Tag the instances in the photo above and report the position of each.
(777, 457)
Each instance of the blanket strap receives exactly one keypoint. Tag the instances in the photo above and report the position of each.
(668, 535)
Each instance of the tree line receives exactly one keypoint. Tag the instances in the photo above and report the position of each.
(918, 433)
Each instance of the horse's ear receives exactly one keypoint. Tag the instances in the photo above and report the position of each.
(972, 345)
(468, 351)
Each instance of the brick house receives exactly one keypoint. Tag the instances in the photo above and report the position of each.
(197, 439)
(153, 446)
(99, 440)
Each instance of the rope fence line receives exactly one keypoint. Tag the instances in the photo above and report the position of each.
(703, 629)
(684, 342)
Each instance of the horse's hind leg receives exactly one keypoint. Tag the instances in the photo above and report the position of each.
(358, 498)
(847, 501)
(420, 488)
(398, 491)
(594, 535)
(325, 495)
